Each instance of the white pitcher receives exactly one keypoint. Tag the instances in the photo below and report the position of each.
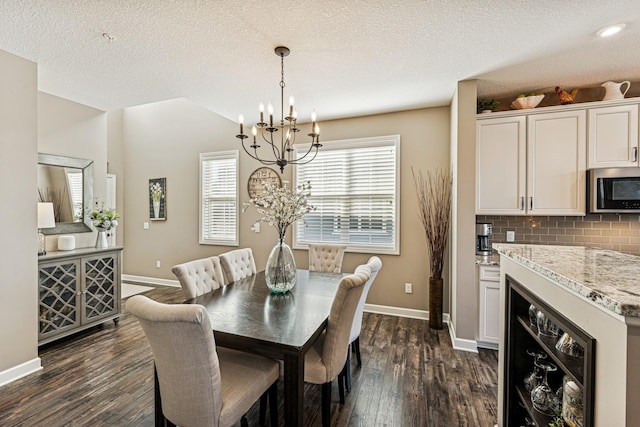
(613, 90)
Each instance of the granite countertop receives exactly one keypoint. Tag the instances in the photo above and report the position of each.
(608, 278)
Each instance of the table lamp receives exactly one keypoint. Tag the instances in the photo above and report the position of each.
(45, 220)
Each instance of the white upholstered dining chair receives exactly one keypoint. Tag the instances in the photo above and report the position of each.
(238, 264)
(326, 359)
(326, 257)
(375, 265)
(201, 385)
(199, 276)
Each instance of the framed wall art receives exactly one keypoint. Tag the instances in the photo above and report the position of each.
(158, 199)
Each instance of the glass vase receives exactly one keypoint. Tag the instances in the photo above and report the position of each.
(280, 271)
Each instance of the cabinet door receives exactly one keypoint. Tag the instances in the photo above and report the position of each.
(613, 136)
(500, 166)
(556, 163)
(59, 298)
(101, 292)
(489, 309)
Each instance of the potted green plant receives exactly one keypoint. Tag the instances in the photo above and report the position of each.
(487, 106)
(434, 206)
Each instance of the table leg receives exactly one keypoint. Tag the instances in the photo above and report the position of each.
(294, 390)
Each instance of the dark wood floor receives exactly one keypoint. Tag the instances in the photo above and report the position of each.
(410, 376)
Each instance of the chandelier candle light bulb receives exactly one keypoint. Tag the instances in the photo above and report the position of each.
(282, 151)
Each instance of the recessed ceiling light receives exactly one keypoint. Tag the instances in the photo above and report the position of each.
(611, 30)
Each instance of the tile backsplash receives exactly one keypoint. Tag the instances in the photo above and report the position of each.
(608, 231)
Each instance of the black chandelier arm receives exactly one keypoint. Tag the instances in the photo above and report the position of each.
(274, 148)
(300, 161)
(313, 145)
(255, 157)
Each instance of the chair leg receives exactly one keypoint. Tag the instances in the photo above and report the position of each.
(356, 345)
(347, 373)
(326, 404)
(263, 409)
(273, 404)
(342, 379)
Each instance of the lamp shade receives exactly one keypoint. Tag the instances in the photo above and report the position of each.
(45, 215)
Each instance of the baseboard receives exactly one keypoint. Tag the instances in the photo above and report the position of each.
(397, 311)
(142, 280)
(461, 343)
(487, 345)
(19, 371)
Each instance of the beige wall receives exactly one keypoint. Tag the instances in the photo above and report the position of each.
(67, 128)
(464, 316)
(164, 140)
(19, 260)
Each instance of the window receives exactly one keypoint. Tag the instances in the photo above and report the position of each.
(219, 198)
(355, 188)
(74, 184)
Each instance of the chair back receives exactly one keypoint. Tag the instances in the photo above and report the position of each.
(325, 257)
(199, 276)
(185, 357)
(238, 264)
(336, 340)
(374, 264)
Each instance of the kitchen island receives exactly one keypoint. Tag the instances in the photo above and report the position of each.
(594, 294)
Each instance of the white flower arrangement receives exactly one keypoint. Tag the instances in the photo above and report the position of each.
(103, 218)
(156, 191)
(280, 207)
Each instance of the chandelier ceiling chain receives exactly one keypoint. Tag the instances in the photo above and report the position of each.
(283, 150)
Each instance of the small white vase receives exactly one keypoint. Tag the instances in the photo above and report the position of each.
(156, 209)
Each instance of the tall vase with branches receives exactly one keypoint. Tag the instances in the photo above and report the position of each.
(434, 205)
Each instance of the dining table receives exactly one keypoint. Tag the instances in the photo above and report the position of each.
(246, 316)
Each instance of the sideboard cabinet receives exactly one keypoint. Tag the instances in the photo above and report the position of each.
(77, 290)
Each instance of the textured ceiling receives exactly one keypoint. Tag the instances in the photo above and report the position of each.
(348, 58)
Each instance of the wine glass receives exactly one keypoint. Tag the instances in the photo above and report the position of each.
(533, 315)
(546, 326)
(535, 376)
(542, 397)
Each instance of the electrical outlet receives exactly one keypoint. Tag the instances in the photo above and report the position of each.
(145, 225)
(511, 236)
(408, 288)
(158, 264)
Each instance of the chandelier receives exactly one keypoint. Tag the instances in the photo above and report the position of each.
(281, 150)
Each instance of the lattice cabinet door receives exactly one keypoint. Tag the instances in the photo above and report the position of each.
(101, 289)
(59, 306)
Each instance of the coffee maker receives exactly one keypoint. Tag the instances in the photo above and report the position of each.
(483, 231)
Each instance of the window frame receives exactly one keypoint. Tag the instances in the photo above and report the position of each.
(218, 155)
(362, 143)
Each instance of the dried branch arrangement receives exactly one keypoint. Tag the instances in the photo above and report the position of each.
(434, 203)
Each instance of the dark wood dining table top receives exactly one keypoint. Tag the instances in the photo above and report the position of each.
(246, 311)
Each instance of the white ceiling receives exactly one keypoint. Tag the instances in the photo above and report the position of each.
(348, 57)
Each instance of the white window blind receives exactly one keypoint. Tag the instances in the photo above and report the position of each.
(219, 198)
(74, 183)
(355, 188)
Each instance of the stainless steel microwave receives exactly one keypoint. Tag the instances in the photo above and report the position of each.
(614, 190)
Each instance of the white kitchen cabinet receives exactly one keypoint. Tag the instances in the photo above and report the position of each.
(532, 164)
(501, 156)
(613, 136)
(556, 163)
(489, 309)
